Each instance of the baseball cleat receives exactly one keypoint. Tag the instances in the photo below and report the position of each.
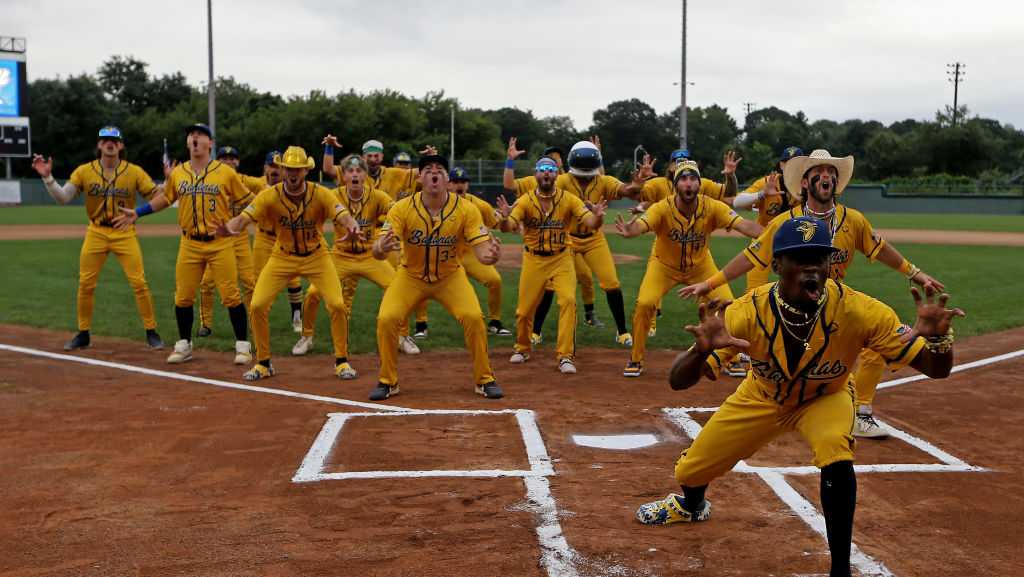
(204, 331)
(153, 340)
(302, 346)
(421, 331)
(297, 321)
(566, 366)
(383, 391)
(518, 358)
(671, 510)
(345, 372)
(490, 390)
(408, 346)
(625, 339)
(633, 369)
(736, 369)
(243, 352)
(182, 353)
(590, 319)
(866, 427)
(258, 372)
(496, 328)
(536, 338)
(79, 341)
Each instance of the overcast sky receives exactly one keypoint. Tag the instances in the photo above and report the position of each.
(869, 59)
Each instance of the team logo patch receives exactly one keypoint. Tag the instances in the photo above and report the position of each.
(483, 229)
(756, 245)
(807, 229)
(903, 329)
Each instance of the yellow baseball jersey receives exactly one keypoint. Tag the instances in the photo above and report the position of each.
(299, 222)
(368, 212)
(770, 206)
(204, 199)
(106, 192)
(255, 184)
(681, 242)
(659, 188)
(851, 232)
(398, 183)
(601, 187)
(545, 232)
(431, 244)
(487, 212)
(525, 185)
(851, 321)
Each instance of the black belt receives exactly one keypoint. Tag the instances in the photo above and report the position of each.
(585, 235)
(106, 223)
(529, 250)
(200, 237)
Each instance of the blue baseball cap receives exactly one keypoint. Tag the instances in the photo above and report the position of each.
(110, 132)
(802, 233)
(198, 127)
(790, 152)
(271, 156)
(228, 151)
(458, 174)
(679, 154)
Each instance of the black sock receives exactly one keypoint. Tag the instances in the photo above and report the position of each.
(618, 309)
(184, 317)
(838, 501)
(296, 307)
(421, 326)
(494, 323)
(265, 363)
(693, 496)
(542, 310)
(588, 309)
(339, 360)
(239, 322)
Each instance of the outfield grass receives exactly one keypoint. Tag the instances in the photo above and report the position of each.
(15, 215)
(41, 279)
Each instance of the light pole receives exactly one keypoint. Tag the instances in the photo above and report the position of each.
(210, 90)
(682, 114)
(451, 154)
(682, 87)
(956, 73)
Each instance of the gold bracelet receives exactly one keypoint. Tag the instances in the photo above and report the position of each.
(940, 345)
(914, 269)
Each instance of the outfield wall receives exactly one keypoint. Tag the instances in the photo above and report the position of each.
(868, 198)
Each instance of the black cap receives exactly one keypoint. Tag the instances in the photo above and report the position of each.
(433, 158)
(198, 127)
(553, 150)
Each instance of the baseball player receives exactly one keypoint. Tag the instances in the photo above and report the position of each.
(204, 189)
(545, 217)
(821, 178)
(243, 252)
(768, 207)
(487, 275)
(682, 224)
(584, 276)
(264, 239)
(432, 229)
(108, 183)
(404, 161)
(803, 335)
(297, 210)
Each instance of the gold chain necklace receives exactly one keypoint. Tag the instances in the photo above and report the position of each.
(786, 324)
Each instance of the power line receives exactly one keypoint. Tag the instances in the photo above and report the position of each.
(956, 73)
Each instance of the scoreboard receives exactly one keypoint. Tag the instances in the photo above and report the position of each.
(15, 137)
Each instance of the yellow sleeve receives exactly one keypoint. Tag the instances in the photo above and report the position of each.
(738, 323)
(724, 216)
(237, 191)
(332, 206)
(384, 204)
(579, 209)
(143, 183)
(759, 251)
(487, 212)
(525, 185)
(171, 187)
(519, 210)
(653, 217)
(885, 332)
(78, 178)
(611, 186)
(710, 188)
(651, 192)
(756, 186)
(257, 209)
(473, 230)
(252, 183)
(395, 221)
(868, 242)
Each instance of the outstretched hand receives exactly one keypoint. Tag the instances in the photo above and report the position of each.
(124, 220)
(711, 333)
(389, 242)
(933, 318)
(599, 208)
(730, 161)
(620, 225)
(43, 166)
(332, 140)
(771, 184)
(694, 291)
(429, 150)
(513, 152)
(504, 208)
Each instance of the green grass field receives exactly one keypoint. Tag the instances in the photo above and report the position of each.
(41, 279)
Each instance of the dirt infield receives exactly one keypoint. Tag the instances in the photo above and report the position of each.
(960, 237)
(111, 472)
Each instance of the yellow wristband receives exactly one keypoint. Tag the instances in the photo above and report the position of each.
(716, 280)
(905, 267)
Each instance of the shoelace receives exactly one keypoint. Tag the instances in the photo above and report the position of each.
(870, 419)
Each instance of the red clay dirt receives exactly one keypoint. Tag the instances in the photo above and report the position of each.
(114, 473)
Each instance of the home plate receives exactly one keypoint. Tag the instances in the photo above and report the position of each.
(617, 442)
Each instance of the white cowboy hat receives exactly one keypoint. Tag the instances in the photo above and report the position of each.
(798, 166)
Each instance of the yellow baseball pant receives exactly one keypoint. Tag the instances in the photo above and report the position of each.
(349, 270)
(486, 275)
(246, 277)
(262, 248)
(394, 259)
(194, 258)
(867, 375)
(281, 268)
(538, 273)
(749, 419)
(657, 281)
(585, 278)
(597, 255)
(456, 295)
(348, 291)
(99, 242)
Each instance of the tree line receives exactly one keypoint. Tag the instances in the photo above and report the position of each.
(67, 112)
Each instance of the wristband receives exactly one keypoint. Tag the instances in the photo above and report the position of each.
(144, 210)
(905, 267)
(716, 280)
(509, 163)
(48, 179)
(329, 149)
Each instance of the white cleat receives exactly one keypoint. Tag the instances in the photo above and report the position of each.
(182, 353)
(243, 352)
(408, 346)
(302, 346)
(866, 427)
(518, 358)
(566, 366)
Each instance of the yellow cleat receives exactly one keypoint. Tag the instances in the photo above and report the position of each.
(625, 339)
(345, 372)
(258, 372)
(671, 510)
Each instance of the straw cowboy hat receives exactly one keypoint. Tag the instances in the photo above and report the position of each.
(798, 166)
(294, 157)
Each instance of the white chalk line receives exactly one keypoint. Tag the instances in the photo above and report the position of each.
(956, 369)
(557, 556)
(200, 380)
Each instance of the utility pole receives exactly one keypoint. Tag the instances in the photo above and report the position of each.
(451, 154)
(956, 73)
(682, 87)
(749, 107)
(210, 89)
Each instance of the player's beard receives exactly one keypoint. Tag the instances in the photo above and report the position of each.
(546, 186)
(822, 191)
